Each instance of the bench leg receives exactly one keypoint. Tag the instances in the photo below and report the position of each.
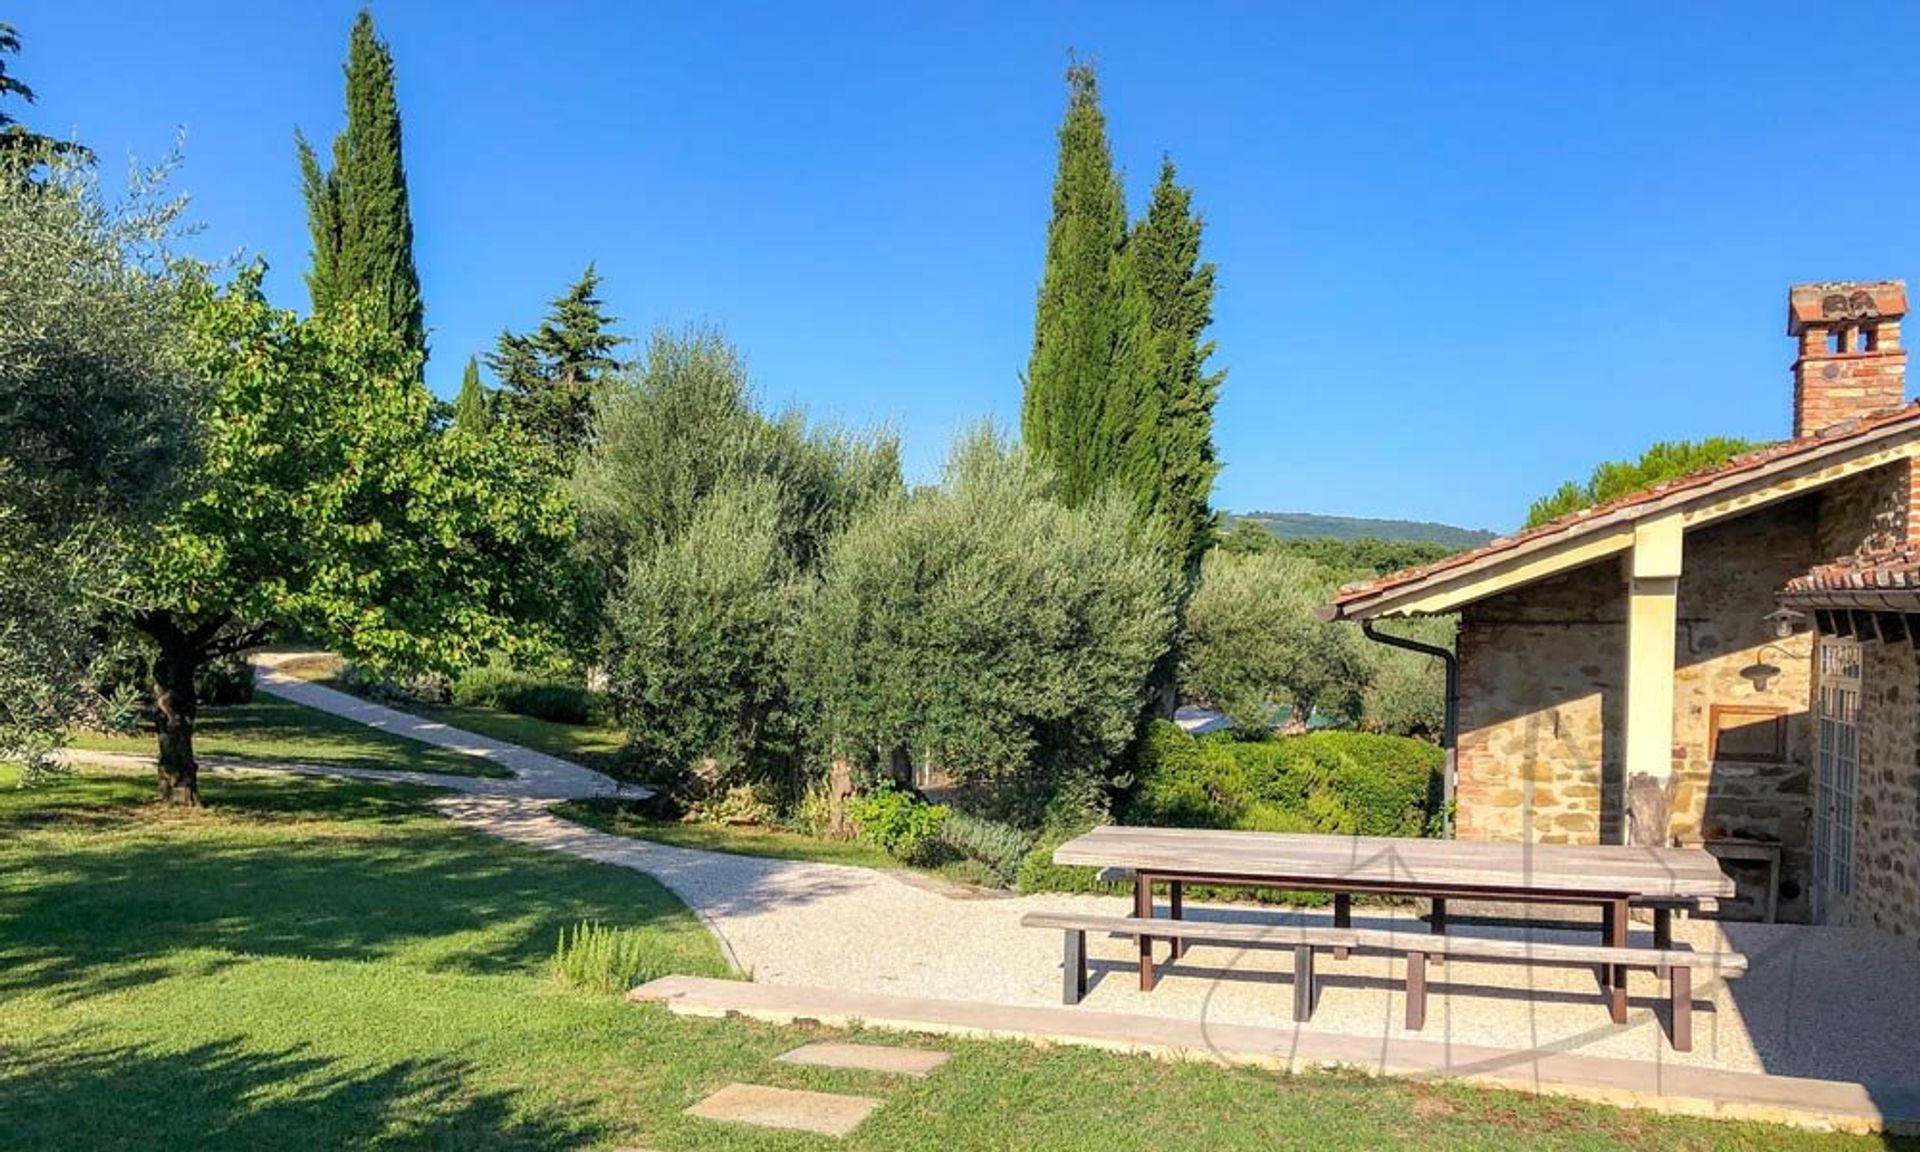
(1416, 991)
(1662, 934)
(1073, 971)
(1342, 918)
(1303, 982)
(1682, 1000)
(1143, 910)
(1437, 922)
(1617, 973)
(1176, 910)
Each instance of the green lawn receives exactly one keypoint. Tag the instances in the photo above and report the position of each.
(270, 729)
(594, 745)
(316, 964)
(624, 819)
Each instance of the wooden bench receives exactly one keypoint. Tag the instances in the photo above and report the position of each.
(1676, 966)
(1302, 938)
(1418, 947)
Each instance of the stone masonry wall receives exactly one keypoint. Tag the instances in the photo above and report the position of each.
(1886, 872)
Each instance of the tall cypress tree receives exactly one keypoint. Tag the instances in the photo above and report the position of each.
(1168, 291)
(1077, 321)
(547, 379)
(472, 408)
(357, 210)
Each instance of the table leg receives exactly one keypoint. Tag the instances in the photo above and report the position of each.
(1437, 925)
(1143, 910)
(1342, 918)
(1617, 982)
(1662, 934)
(1176, 910)
(1416, 991)
(1604, 972)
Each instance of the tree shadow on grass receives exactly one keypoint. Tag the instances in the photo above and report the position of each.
(326, 870)
(223, 1095)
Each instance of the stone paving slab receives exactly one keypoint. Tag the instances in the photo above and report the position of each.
(1823, 1105)
(764, 1107)
(868, 1058)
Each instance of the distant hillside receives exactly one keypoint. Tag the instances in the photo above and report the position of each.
(1297, 525)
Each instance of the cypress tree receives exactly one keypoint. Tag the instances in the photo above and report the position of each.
(357, 210)
(1077, 321)
(1169, 292)
(472, 408)
(547, 379)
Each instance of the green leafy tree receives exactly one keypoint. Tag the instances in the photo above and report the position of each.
(473, 407)
(329, 500)
(699, 516)
(1406, 692)
(96, 406)
(1163, 415)
(548, 379)
(1255, 650)
(20, 146)
(1078, 317)
(985, 629)
(357, 210)
(700, 631)
(1667, 460)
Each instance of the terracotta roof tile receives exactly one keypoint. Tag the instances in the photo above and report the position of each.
(1891, 568)
(1572, 521)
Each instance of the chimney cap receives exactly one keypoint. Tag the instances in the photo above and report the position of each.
(1844, 302)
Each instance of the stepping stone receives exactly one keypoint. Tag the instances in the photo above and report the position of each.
(868, 1058)
(821, 1112)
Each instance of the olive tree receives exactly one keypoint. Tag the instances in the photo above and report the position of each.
(984, 628)
(96, 402)
(702, 517)
(1254, 647)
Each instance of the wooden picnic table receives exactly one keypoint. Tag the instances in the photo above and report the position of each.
(1611, 877)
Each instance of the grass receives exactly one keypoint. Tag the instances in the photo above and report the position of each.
(311, 964)
(623, 819)
(599, 746)
(270, 729)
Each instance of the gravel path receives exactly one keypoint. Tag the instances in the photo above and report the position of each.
(1826, 1003)
(535, 774)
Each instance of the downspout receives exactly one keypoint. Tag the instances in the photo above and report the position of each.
(1450, 727)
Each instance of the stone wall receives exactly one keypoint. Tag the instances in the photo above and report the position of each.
(1886, 862)
(1542, 679)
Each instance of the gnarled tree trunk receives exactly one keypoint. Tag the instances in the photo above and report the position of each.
(178, 708)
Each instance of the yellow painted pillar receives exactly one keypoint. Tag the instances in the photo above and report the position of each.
(1652, 622)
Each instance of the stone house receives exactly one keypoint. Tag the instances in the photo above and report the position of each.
(1715, 658)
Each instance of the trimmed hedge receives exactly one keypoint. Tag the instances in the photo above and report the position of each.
(1353, 783)
(517, 692)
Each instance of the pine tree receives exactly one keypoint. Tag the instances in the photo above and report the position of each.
(357, 210)
(1078, 320)
(18, 143)
(472, 408)
(1170, 460)
(547, 380)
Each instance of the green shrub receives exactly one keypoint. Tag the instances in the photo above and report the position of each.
(1038, 872)
(740, 804)
(510, 691)
(999, 847)
(1353, 783)
(902, 824)
(383, 688)
(599, 958)
(227, 680)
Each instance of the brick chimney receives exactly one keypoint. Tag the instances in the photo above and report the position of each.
(1851, 364)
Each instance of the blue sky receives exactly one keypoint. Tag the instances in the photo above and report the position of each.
(1466, 250)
